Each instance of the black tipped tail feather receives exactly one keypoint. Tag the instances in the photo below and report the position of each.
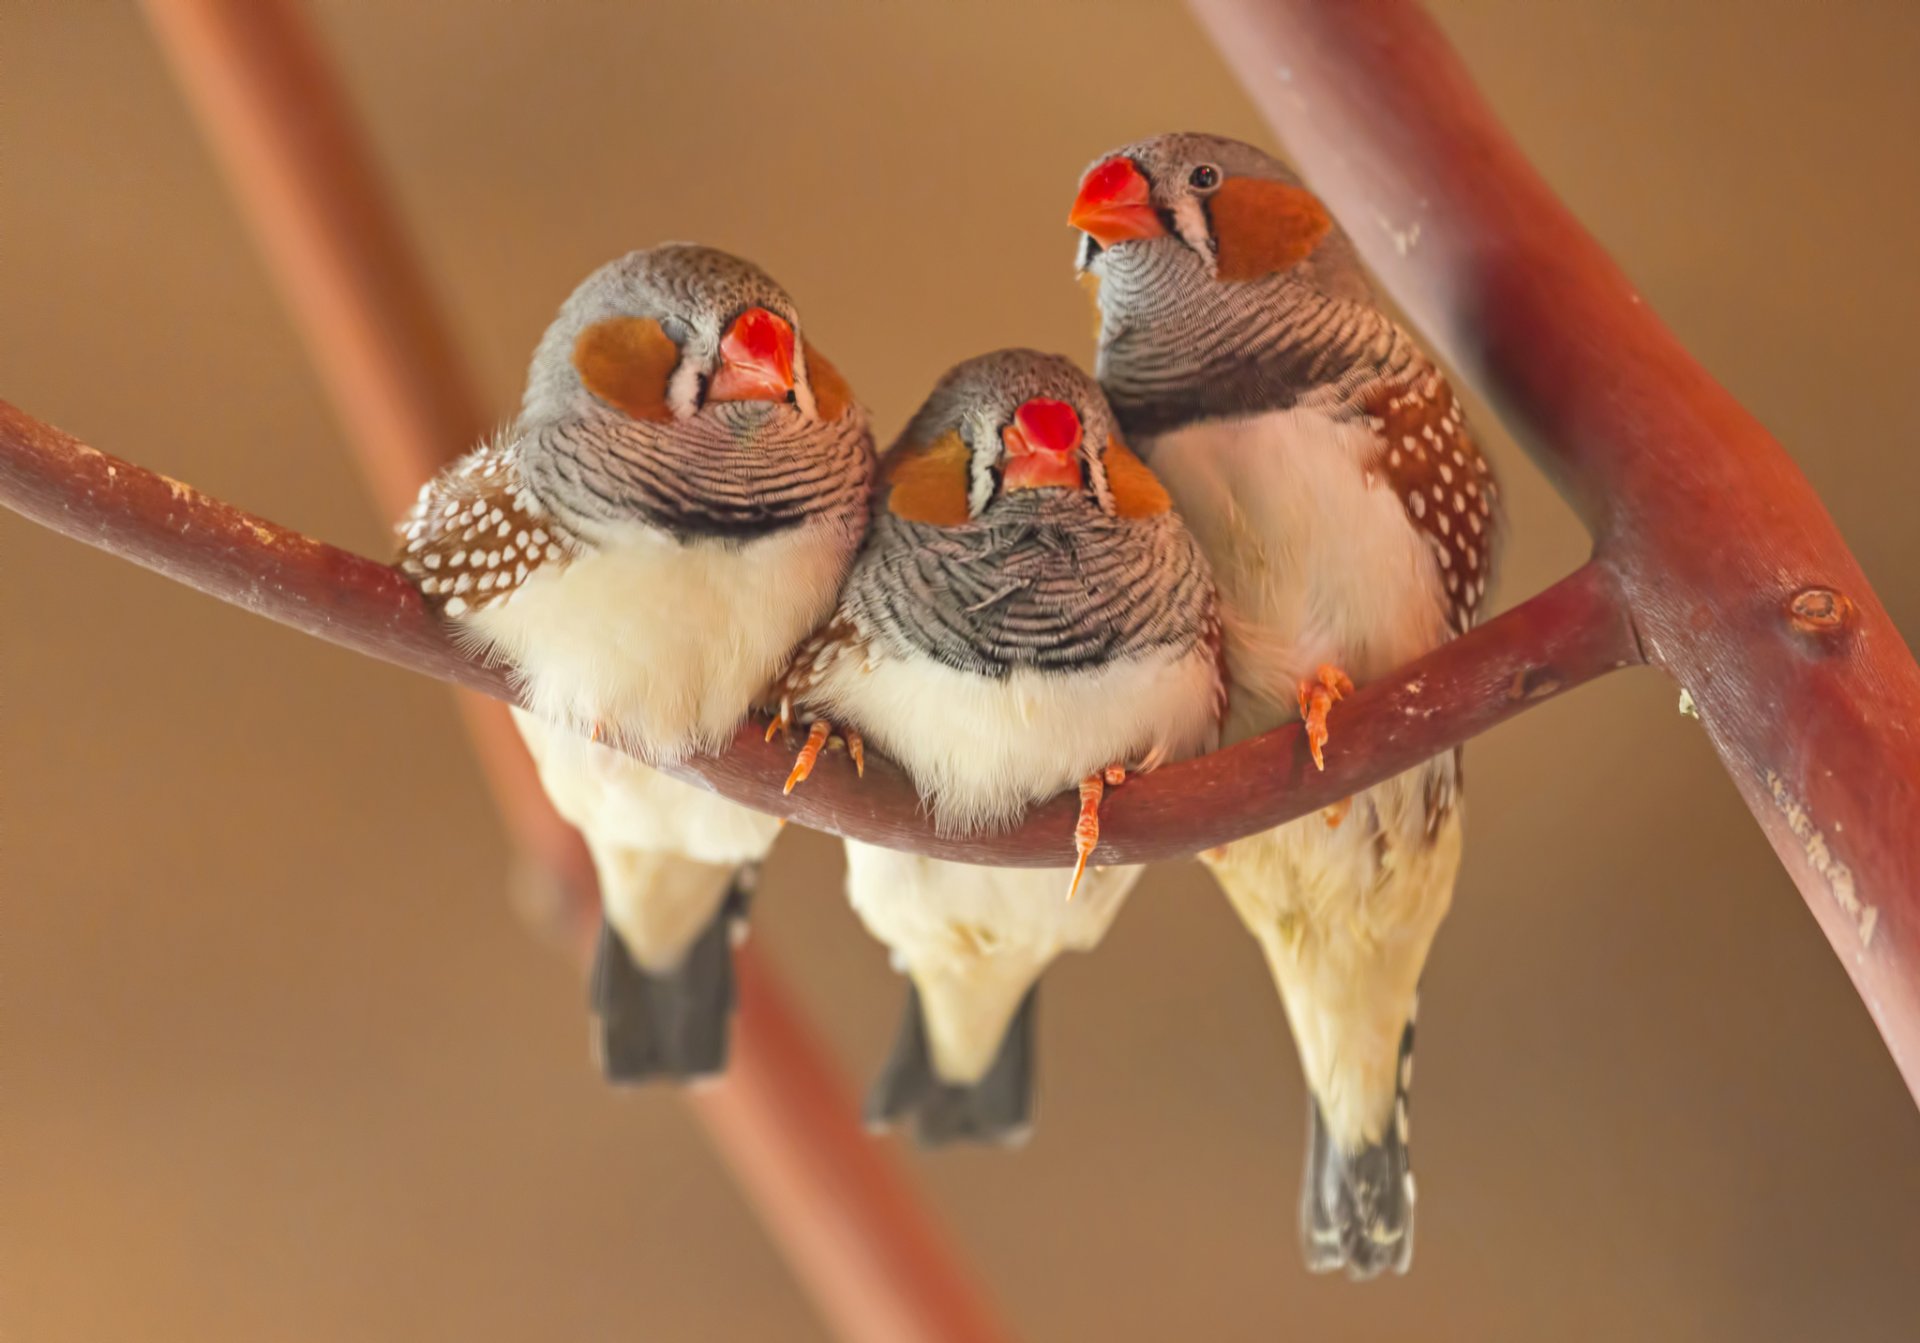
(1356, 1212)
(671, 1026)
(996, 1109)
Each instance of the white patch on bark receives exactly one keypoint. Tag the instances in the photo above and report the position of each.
(1838, 876)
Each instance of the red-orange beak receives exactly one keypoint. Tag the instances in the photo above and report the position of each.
(1115, 203)
(756, 359)
(1042, 447)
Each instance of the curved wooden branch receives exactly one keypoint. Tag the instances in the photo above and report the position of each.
(1738, 582)
(1561, 638)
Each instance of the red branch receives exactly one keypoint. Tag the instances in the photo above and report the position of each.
(1567, 635)
(1737, 580)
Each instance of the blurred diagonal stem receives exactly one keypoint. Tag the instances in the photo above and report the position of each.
(849, 1224)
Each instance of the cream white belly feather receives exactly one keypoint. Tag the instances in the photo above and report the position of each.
(982, 749)
(665, 851)
(667, 647)
(975, 939)
(1314, 562)
(1317, 563)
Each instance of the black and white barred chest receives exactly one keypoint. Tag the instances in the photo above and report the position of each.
(1173, 351)
(1033, 585)
(750, 471)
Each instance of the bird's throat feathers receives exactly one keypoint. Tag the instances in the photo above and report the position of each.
(1044, 581)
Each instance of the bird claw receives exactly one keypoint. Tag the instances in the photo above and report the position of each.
(1328, 687)
(782, 720)
(809, 754)
(817, 737)
(1086, 831)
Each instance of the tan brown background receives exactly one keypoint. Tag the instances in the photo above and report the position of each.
(279, 1061)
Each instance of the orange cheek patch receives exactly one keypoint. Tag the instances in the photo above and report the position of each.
(1263, 227)
(928, 483)
(626, 362)
(831, 395)
(1137, 492)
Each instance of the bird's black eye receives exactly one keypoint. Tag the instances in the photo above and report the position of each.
(1204, 178)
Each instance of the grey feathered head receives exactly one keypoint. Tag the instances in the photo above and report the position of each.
(676, 388)
(1009, 422)
(1019, 531)
(1224, 287)
(1203, 206)
(672, 331)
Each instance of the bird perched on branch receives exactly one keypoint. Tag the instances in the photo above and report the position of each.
(1028, 615)
(1326, 469)
(673, 510)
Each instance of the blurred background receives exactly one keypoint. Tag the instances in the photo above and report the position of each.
(280, 1062)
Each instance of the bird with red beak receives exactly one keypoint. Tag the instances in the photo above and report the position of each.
(1028, 615)
(1042, 446)
(672, 511)
(1327, 470)
(756, 359)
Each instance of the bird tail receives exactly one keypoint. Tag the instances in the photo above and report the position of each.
(670, 1024)
(1356, 1211)
(997, 1108)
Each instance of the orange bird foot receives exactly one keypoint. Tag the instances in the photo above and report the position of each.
(780, 722)
(1336, 813)
(817, 737)
(1329, 686)
(1086, 831)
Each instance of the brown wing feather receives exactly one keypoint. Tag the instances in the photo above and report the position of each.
(476, 533)
(1429, 457)
(810, 662)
